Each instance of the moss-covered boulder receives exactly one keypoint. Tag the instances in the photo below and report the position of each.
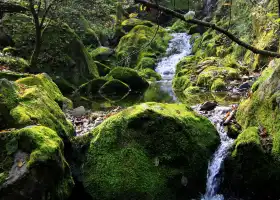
(114, 90)
(131, 46)
(180, 83)
(250, 171)
(102, 54)
(218, 85)
(130, 23)
(130, 77)
(150, 75)
(263, 106)
(146, 62)
(34, 100)
(14, 63)
(180, 26)
(103, 70)
(33, 165)
(150, 151)
(207, 77)
(62, 53)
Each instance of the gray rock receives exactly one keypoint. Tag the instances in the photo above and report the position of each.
(79, 111)
(244, 86)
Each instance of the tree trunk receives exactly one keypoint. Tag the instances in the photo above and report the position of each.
(38, 42)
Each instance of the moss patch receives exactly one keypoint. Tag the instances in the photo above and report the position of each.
(149, 148)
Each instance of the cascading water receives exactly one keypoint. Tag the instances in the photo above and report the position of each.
(179, 47)
(214, 168)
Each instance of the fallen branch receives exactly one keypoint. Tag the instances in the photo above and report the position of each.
(210, 25)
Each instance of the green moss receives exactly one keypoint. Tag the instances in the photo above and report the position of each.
(192, 90)
(141, 36)
(150, 74)
(247, 137)
(179, 84)
(146, 62)
(180, 26)
(45, 159)
(92, 88)
(12, 76)
(126, 161)
(103, 70)
(62, 52)
(218, 85)
(114, 90)
(208, 75)
(36, 100)
(130, 23)
(101, 53)
(14, 63)
(130, 77)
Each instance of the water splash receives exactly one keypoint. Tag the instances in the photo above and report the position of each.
(214, 167)
(179, 47)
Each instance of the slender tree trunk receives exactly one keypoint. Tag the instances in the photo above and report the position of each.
(38, 42)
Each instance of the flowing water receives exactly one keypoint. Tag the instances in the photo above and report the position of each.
(179, 47)
(214, 168)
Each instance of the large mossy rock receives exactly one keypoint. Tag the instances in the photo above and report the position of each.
(33, 165)
(263, 107)
(62, 56)
(129, 76)
(150, 151)
(253, 168)
(138, 43)
(250, 171)
(34, 100)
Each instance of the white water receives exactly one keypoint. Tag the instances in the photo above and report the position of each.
(214, 168)
(178, 47)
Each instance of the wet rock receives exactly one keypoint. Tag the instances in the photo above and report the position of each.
(245, 86)
(207, 106)
(79, 111)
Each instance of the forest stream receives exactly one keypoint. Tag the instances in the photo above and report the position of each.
(139, 100)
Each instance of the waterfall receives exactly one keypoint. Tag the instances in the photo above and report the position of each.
(214, 168)
(178, 47)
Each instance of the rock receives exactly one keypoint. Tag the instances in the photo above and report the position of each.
(129, 77)
(114, 90)
(102, 53)
(218, 85)
(245, 86)
(34, 100)
(130, 23)
(150, 75)
(33, 165)
(125, 151)
(133, 42)
(207, 106)
(98, 121)
(79, 111)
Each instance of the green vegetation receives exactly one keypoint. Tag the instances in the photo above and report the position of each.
(39, 153)
(123, 150)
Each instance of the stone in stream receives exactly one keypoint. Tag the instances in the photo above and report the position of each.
(244, 86)
(79, 111)
(131, 150)
(207, 106)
